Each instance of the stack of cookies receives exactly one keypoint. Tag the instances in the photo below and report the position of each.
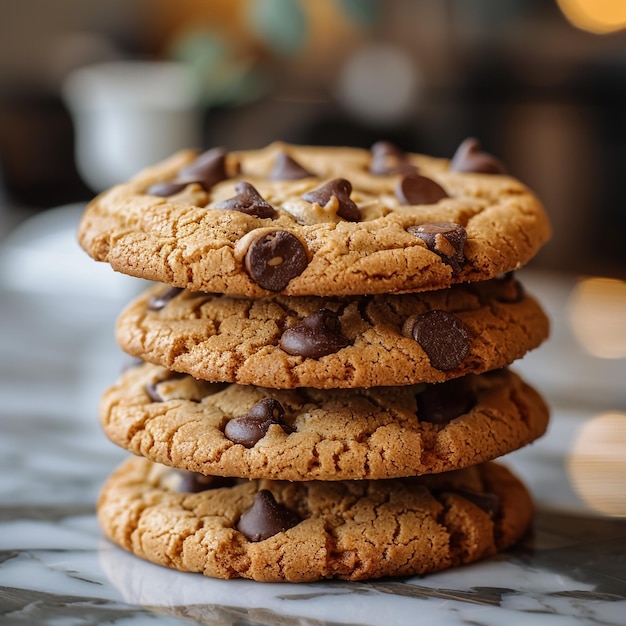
(321, 381)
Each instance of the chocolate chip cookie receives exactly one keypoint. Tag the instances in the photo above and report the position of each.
(331, 434)
(302, 532)
(316, 221)
(324, 342)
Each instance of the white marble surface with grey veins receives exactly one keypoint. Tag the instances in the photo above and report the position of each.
(57, 355)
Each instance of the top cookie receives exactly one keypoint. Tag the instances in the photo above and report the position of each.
(300, 220)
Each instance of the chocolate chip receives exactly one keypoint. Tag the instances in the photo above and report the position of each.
(445, 239)
(386, 148)
(339, 188)
(443, 337)
(414, 189)
(388, 159)
(443, 402)
(470, 158)
(287, 168)
(152, 389)
(192, 482)
(156, 303)
(265, 518)
(273, 259)
(164, 190)
(250, 428)
(488, 502)
(179, 386)
(315, 336)
(207, 170)
(249, 201)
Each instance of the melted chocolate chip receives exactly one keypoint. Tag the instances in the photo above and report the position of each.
(470, 158)
(341, 189)
(156, 303)
(152, 389)
(488, 502)
(192, 482)
(250, 428)
(287, 168)
(443, 337)
(249, 201)
(445, 239)
(207, 170)
(315, 336)
(443, 402)
(388, 159)
(275, 258)
(414, 189)
(265, 518)
(164, 190)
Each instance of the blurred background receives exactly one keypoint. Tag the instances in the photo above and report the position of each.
(542, 83)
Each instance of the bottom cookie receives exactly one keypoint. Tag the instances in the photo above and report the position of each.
(276, 531)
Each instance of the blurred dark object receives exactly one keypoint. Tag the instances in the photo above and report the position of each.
(335, 127)
(608, 101)
(37, 150)
(561, 129)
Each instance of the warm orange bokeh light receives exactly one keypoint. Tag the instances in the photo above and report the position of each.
(596, 16)
(597, 463)
(597, 315)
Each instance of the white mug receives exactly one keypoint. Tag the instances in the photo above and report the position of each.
(130, 114)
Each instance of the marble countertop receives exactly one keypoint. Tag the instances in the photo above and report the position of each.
(57, 355)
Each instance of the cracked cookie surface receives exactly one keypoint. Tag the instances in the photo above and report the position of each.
(229, 339)
(376, 433)
(351, 530)
(364, 239)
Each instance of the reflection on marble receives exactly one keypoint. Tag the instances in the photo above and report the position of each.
(70, 572)
(530, 579)
(55, 567)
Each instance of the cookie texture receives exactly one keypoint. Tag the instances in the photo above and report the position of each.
(287, 342)
(308, 434)
(298, 532)
(341, 221)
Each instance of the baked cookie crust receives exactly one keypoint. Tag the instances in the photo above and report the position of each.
(351, 530)
(373, 341)
(377, 433)
(191, 239)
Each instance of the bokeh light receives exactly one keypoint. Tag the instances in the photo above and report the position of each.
(597, 463)
(596, 16)
(597, 315)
